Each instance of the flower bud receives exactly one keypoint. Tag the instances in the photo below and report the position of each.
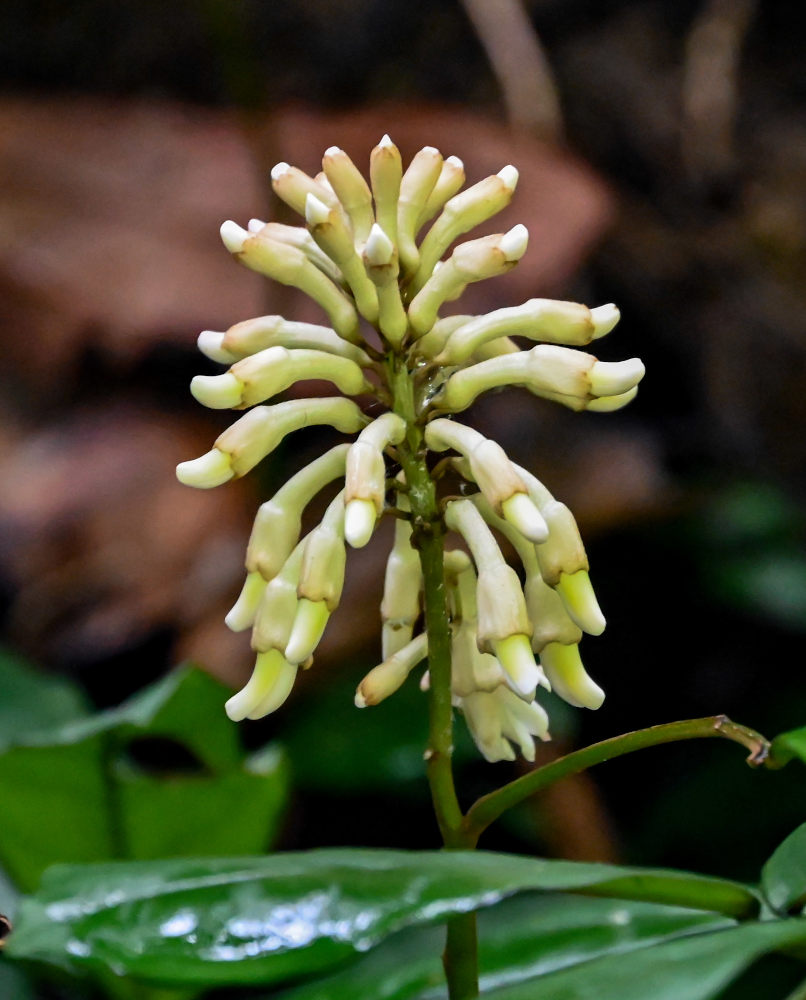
(242, 614)
(267, 373)
(400, 607)
(290, 266)
(415, 188)
(469, 262)
(365, 480)
(267, 689)
(207, 471)
(278, 522)
(450, 180)
(258, 432)
(545, 320)
(352, 191)
(335, 239)
(381, 264)
(568, 677)
(492, 470)
(253, 335)
(296, 236)
(278, 606)
(388, 676)
(462, 213)
(293, 186)
(386, 172)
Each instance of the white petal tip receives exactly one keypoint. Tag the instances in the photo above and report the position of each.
(522, 513)
(233, 236)
(455, 162)
(359, 522)
(604, 319)
(385, 142)
(514, 243)
(431, 150)
(333, 151)
(255, 225)
(316, 211)
(379, 249)
(219, 392)
(359, 700)
(614, 378)
(278, 170)
(309, 624)
(209, 343)
(509, 175)
(205, 472)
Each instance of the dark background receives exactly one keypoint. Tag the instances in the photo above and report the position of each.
(663, 157)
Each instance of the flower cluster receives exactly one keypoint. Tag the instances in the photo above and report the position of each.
(359, 258)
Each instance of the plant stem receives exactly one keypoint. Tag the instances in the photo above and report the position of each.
(489, 807)
(460, 958)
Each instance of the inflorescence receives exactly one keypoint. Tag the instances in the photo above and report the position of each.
(358, 258)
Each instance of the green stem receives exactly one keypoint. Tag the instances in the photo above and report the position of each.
(460, 958)
(489, 807)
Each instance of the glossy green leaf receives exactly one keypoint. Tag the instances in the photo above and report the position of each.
(71, 794)
(783, 878)
(260, 920)
(520, 939)
(695, 967)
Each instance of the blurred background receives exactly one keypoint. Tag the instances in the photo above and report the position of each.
(662, 152)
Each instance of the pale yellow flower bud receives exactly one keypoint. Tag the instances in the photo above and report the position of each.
(267, 373)
(386, 173)
(415, 188)
(352, 191)
(472, 261)
(267, 689)
(494, 473)
(400, 606)
(450, 180)
(381, 263)
(253, 335)
(278, 606)
(568, 677)
(293, 186)
(290, 266)
(296, 236)
(462, 213)
(496, 717)
(388, 676)
(365, 480)
(242, 614)
(209, 470)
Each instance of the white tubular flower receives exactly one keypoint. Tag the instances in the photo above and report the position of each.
(295, 236)
(561, 374)
(496, 717)
(386, 173)
(253, 335)
(278, 521)
(333, 236)
(269, 372)
(462, 213)
(495, 475)
(450, 180)
(257, 433)
(538, 319)
(321, 581)
(290, 266)
(415, 189)
(403, 580)
(504, 628)
(388, 676)
(352, 191)
(365, 480)
(473, 261)
(360, 261)
(381, 263)
(267, 688)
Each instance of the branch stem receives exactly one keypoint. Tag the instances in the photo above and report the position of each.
(489, 807)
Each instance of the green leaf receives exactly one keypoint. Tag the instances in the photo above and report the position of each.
(694, 967)
(520, 939)
(789, 746)
(783, 877)
(262, 920)
(34, 700)
(71, 794)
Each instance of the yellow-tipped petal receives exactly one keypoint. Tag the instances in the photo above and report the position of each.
(568, 677)
(259, 688)
(309, 624)
(242, 614)
(280, 690)
(612, 378)
(359, 522)
(580, 602)
(219, 392)
(516, 657)
(207, 471)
